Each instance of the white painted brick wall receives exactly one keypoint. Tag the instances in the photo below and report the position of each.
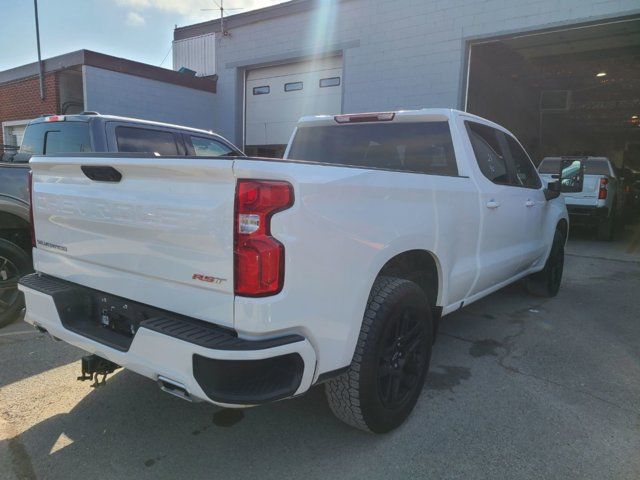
(115, 93)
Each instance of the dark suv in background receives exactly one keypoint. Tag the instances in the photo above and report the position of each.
(86, 132)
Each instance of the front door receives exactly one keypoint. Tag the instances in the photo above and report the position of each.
(501, 251)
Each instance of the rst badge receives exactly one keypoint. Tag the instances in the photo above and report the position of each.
(208, 279)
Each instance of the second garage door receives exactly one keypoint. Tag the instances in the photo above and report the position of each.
(278, 96)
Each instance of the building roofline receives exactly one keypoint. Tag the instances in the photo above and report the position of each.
(109, 62)
(233, 21)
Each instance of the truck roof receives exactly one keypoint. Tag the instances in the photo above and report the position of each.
(425, 115)
(421, 115)
(92, 116)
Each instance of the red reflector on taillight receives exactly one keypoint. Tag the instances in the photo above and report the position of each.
(604, 189)
(31, 224)
(259, 257)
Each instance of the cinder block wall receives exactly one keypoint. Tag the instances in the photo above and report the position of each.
(20, 100)
(113, 93)
(397, 54)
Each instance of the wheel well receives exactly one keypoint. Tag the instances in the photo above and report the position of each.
(418, 266)
(563, 226)
(15, 230)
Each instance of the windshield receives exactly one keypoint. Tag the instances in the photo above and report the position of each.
(422, 147)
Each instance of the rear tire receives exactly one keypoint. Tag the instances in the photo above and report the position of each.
(546, 283)
(14, 263)
(391, 359)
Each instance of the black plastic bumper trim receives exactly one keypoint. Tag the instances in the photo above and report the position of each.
(77, 310)
(199, 333)
(249, 382)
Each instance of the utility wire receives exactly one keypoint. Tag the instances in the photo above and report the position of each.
(168, 52)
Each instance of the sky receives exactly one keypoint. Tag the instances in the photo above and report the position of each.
(139, 30)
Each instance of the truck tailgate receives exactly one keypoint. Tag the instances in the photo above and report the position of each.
(162, 235)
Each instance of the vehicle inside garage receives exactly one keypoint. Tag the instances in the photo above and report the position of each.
(567, 92)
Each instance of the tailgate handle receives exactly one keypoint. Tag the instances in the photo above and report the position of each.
(102, 173)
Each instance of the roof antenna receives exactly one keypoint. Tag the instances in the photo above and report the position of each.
(221, 7)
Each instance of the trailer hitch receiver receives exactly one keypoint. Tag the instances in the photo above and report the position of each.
(93, 366)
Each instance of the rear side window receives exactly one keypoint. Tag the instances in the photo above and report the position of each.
(208, 147)
(491, 159)
(526, 174)
(56, 137)
(144, 140)
(596, 167)
(420, 147)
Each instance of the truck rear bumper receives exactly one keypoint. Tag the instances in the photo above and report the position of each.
(208, 362)
(581, 214)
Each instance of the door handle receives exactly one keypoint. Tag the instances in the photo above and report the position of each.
(101, 173)
(492, 204)
(530, 203)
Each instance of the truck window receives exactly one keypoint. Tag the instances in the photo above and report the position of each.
(208, 147)
(550, 166)
(596, 167)
(419, 147)
(489, 155)
(56, 137)
(145, 140)
(525, 171)
(591, 167)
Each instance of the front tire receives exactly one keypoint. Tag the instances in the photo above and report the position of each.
(546, 283)
(391, 359)
(14, 263)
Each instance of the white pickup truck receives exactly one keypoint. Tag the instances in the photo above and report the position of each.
(597, 199)
(241, 281)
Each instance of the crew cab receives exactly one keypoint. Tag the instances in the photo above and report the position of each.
(598, 199)
(241, 281)
(86, 132)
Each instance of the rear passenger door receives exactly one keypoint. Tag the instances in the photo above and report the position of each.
(502, 234)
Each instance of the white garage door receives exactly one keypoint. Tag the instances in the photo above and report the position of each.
(278, 96)
(13, 134)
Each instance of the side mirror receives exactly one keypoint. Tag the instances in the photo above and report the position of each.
(571, 175)
(552, 191)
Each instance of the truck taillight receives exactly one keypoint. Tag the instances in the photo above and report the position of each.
(604, 188)
(31, 224)
(259, 257)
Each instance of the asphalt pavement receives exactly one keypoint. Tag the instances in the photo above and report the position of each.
(520, 387)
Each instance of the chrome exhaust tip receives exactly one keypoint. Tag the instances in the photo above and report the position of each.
(174, 388)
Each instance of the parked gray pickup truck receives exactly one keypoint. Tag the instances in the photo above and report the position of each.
(86, 132)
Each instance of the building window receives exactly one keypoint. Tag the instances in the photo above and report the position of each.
(330, 82)
(292, 87)
(264, 90)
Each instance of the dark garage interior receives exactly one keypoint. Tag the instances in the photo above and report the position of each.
(565, 92)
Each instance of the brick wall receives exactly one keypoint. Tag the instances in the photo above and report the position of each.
(20, 100)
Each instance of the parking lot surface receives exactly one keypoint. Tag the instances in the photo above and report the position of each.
(520, 387)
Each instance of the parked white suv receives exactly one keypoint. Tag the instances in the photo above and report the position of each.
(596, 200)
(241, 281)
